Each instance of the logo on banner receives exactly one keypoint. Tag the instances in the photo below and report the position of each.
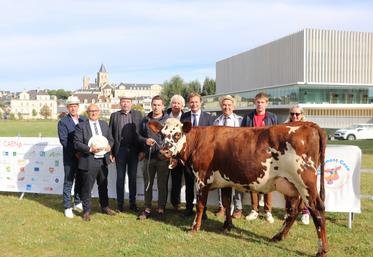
(36, 169)
(336, 173)
(5, 153)
(14, 153)
(42, 154)
(28, 187)
(48, 189)
(56, 180)
(51, 170)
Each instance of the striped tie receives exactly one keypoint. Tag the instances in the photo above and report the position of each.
(95, 127)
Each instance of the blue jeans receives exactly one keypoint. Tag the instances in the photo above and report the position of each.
(71, 174)
(126, 157)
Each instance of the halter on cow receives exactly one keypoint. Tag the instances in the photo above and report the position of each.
(284, 158)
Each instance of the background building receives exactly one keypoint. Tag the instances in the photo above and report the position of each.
(329, 73)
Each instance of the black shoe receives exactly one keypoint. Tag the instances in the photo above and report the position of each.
(144, 215)
(120, 209)
(189, 212)
(134, 208)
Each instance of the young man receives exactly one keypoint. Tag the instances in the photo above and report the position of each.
(176, 110)
(197, 118)
(94, 159)
(260, 118)
(125, 128)
(228, 118)
(66, 129)
(156, 164)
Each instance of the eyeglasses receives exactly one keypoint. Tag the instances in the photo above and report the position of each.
(295, 113)
(93, 111)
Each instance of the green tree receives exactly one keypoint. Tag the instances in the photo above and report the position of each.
(45, 111)
(12, 116)
(60, 93)
(34, 113)
(209, 86)
(175, 86)
(194, 86)
(138, 107)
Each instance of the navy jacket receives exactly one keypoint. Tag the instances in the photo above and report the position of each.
(66, 129)
(206, 119)
(81, 137)
(269, 119)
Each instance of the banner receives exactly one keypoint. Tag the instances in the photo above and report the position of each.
(35, 165)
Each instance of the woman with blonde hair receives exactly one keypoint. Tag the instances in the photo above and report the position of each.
(296, 114)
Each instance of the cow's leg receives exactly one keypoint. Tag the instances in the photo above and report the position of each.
(201, 203)
(293, 212)
(317, 211)
(226, 195)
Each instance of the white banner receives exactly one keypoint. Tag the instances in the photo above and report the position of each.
(35, 165)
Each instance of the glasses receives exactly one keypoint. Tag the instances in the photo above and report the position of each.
(295, 113)
(93, 111)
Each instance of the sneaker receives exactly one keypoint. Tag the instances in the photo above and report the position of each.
(69, 213)
(286, 216)
(237, 214)
(253, 215)
(220, 212)
(305, 219)
(269, 217)
(78, 207)
(144, 215)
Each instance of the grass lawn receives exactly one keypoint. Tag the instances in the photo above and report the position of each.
(35, 226)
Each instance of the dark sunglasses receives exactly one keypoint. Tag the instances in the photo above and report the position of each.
(295, 113)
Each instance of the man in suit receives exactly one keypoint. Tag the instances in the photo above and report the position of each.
(124, 125)
(66, 128)
(94, 159)
(197, 118)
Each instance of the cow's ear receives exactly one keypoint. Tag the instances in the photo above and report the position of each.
(155, 126)
(187, 126)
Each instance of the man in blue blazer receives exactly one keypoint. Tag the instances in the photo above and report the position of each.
(66, 128)
(197, 118)
(94, 159)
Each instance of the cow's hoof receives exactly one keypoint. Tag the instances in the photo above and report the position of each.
(277, 238)
(227, 227)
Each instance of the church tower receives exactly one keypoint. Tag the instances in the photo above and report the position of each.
(102, 76)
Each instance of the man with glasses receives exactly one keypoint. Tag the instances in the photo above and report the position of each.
(93, 140)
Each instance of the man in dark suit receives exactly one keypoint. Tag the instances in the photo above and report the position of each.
(94, 159)
(197, 118)
(124, 126)
(66, 128)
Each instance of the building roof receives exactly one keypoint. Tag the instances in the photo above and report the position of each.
(102, 69)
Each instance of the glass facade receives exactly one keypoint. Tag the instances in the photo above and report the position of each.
(303, 94)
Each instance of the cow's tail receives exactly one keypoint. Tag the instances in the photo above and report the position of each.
(323, 141)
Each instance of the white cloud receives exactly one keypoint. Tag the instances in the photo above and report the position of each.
(57, 42)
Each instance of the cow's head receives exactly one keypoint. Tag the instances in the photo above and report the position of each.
(173, 132)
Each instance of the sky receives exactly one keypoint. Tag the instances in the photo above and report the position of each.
(52, 44)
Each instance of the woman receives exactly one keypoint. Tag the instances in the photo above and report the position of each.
(296, 114)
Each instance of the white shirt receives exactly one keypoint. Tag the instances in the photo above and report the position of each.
(233, 120)
(91, 122)
(198, 115)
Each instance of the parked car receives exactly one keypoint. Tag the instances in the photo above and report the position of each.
(357, 131)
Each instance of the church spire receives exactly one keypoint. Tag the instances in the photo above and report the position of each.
(102, 68)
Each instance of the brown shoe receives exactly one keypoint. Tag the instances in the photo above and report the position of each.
(220, 212)
(237, 214)
(86, 216)
(144, 215)
(108, 211)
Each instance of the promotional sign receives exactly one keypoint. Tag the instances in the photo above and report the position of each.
(35, 165)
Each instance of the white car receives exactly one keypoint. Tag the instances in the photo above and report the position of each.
(357, 131)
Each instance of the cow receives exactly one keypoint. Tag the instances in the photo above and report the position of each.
(282, 158)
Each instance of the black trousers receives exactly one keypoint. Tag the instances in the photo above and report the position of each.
(98, 171)
(189, 187)
(176, 179)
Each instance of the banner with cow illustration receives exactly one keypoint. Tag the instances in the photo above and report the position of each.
(35, 165)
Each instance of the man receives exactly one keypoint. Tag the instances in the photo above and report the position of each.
(124, 126)
(66, 128)
(156, 164)
(176, 110)
(228, 118)
(260, 118)
(94, 159)
(197, 118)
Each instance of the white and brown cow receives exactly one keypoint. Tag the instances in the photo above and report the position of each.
(284, 158)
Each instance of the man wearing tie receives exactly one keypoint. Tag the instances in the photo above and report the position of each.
(94, 159)
(197, 118)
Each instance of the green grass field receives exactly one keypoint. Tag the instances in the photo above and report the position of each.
(35, 226)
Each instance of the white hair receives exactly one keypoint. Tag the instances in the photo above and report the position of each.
(178, 98)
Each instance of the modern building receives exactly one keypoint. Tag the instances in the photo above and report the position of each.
(327, 72)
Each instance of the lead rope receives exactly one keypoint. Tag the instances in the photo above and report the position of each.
(147, 167)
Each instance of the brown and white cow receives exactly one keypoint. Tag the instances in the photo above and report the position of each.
(284, 158)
